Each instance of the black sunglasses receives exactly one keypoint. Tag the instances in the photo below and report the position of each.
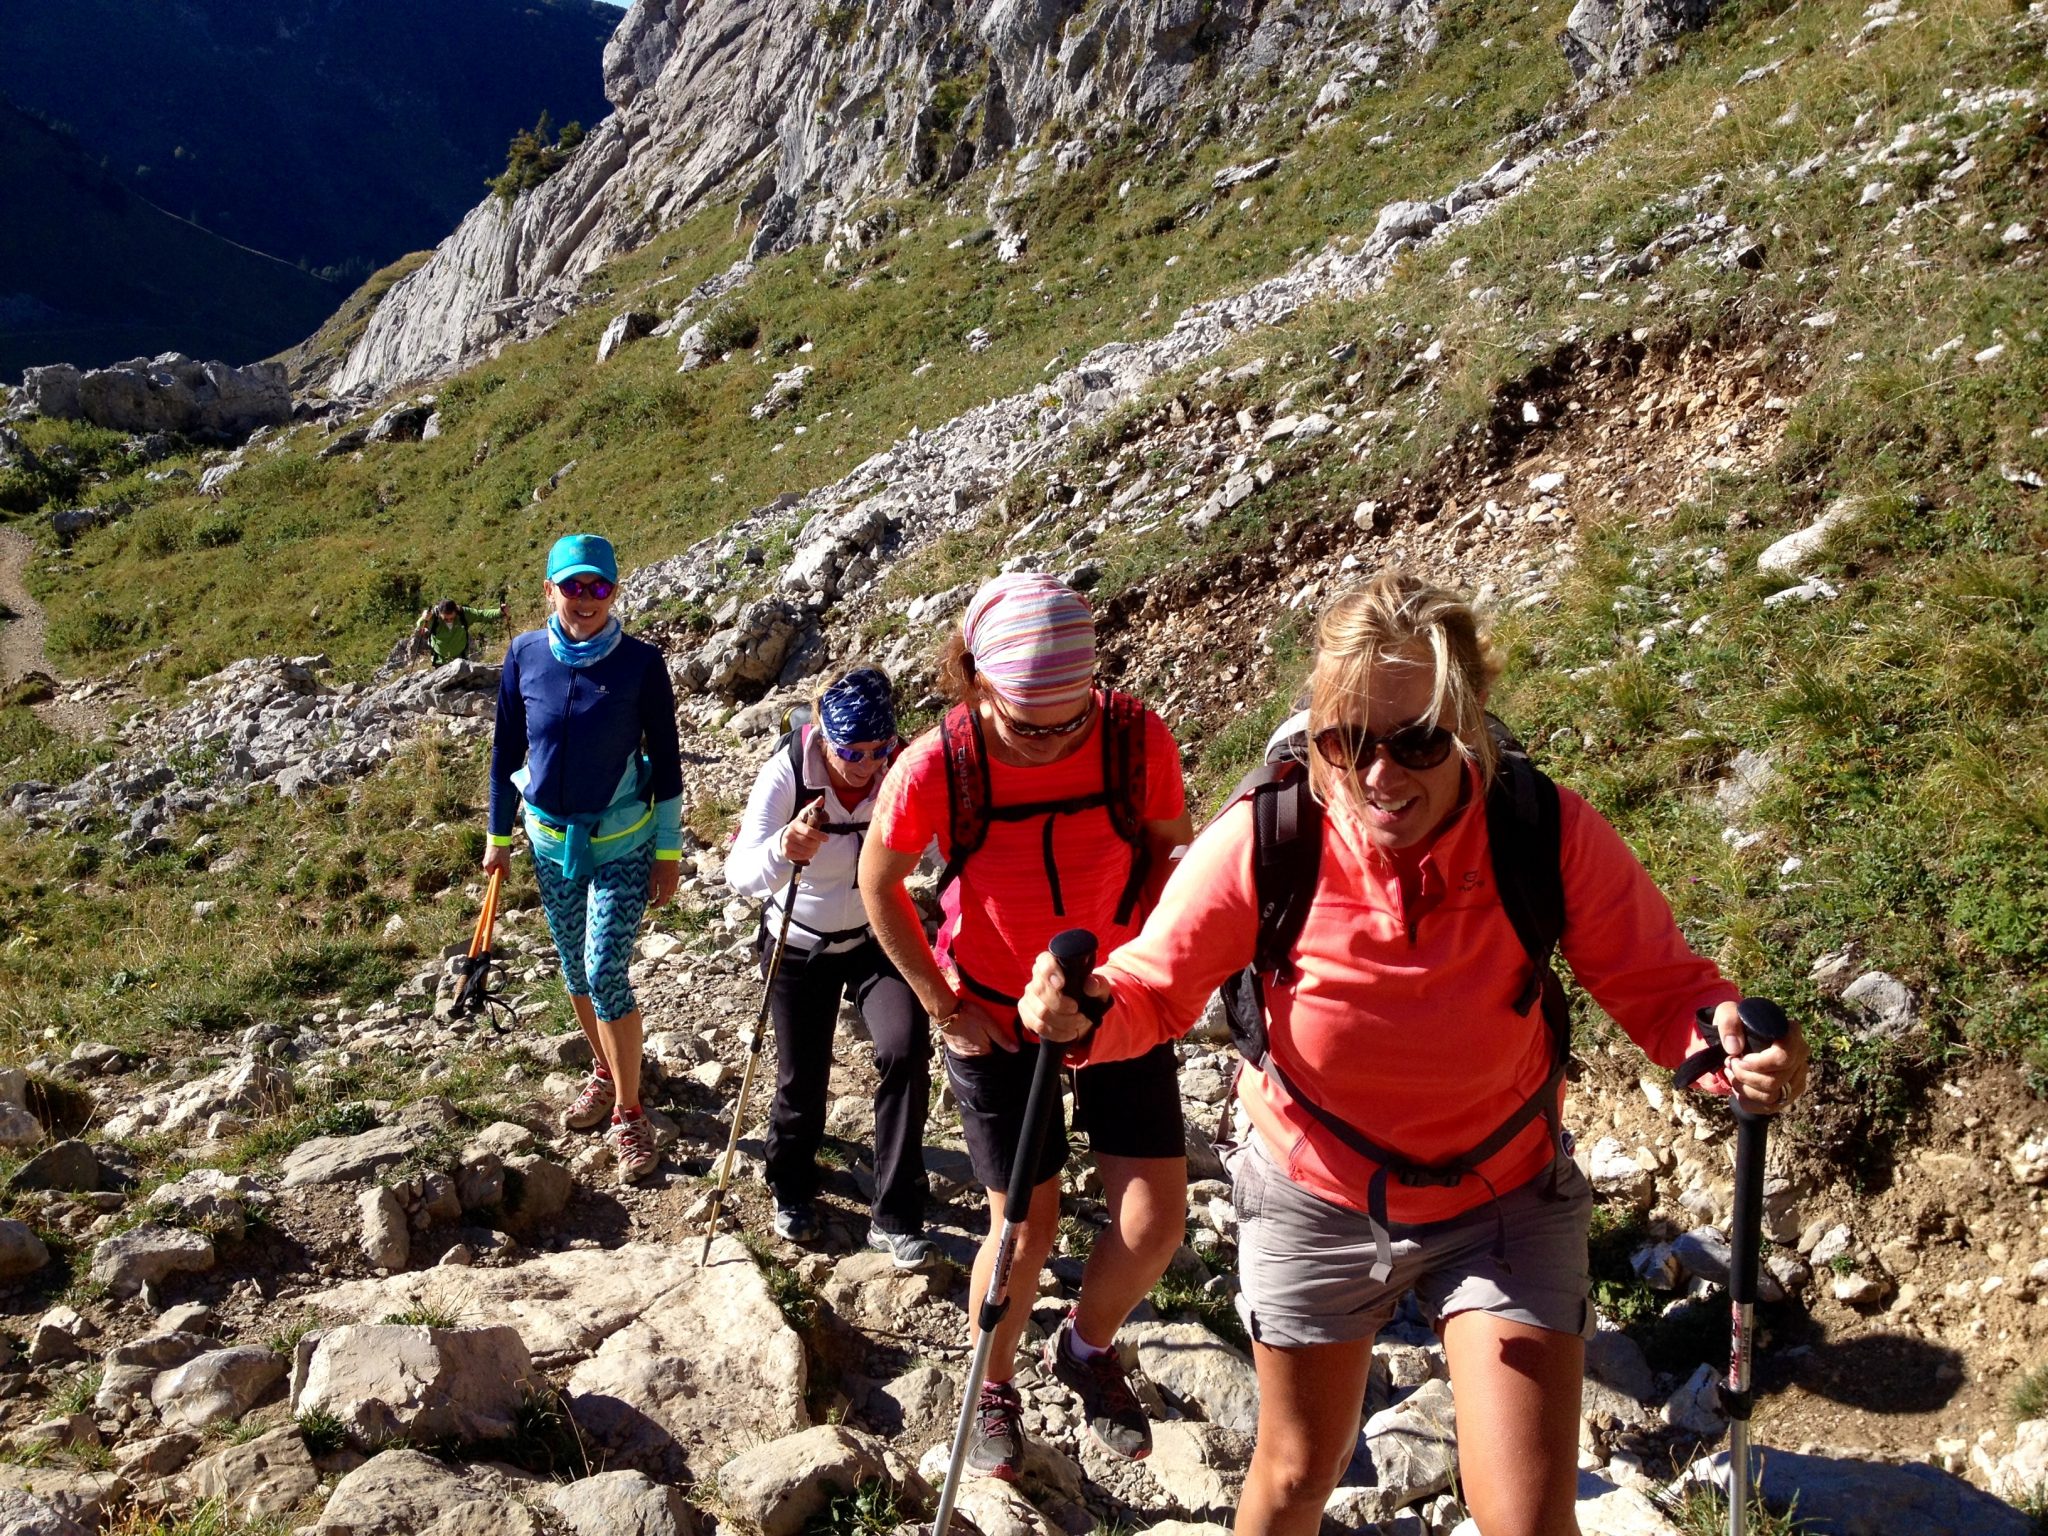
(1417, 746)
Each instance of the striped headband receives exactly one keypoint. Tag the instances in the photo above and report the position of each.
(1032, 638)
(861, 706)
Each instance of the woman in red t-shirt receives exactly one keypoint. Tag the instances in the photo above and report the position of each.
(1067, 806)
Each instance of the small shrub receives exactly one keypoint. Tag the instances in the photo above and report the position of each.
(322, 1431)
(534, 155)
(2030, 1397)
(730, 328)
(870, 1510)
(423, 1316)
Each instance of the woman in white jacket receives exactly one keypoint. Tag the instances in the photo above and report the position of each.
(837, 762)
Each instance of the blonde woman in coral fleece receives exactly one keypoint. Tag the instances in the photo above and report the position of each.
(1409, 1016)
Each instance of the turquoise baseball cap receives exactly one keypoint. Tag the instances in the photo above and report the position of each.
(582, 554)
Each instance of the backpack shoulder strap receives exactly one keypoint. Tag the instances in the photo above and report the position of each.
(967, 788)
(1287, 856)
(1123, 765)
(1123, 788)
(793, 745)
(1524, 831)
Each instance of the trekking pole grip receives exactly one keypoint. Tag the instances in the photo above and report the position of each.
(1763, 1024)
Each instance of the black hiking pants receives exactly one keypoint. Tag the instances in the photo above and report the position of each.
(804, 1008)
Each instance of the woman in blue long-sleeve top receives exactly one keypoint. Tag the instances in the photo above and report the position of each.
(585, 752)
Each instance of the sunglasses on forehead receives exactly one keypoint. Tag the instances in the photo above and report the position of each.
(594, 587)
(1416, 746)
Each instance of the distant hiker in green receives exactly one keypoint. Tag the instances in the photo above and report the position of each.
(445, 628)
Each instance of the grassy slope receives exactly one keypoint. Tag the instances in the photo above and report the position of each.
(1912, 784)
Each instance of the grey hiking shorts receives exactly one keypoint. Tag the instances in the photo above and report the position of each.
(1305, 1264)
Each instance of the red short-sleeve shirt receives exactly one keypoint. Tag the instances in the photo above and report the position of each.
(999, 914)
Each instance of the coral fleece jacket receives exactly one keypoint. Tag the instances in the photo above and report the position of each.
(1401, 1018)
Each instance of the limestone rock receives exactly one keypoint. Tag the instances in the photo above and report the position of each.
(21, 1251)
(679, 1367)
(23, 1514)
(85, 1497)
(1885, 1005)
(212, 1201)
(867, 1290)
(2022, 1472)
(621, 1504)
(67, 1165)
(1200, 1466)
(778, 1487)
(1622, 39)
(386, 1380)
(1406, 1453)
(166, 393)
(536, 1192)
(341, 1159)
(221, 1384)
(156, 1456)
(1189, 1362)
(1795, 553)
(147, 1254)
(386, 1238)
(266, 1476)
(1840, 1497)
(403, 1493)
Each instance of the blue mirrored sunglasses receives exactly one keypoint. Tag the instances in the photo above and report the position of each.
(864, 754)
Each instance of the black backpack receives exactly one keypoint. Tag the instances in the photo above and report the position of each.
(1523, 830)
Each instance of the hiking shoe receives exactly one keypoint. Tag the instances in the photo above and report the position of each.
(593, 1106)
(997, 1449)
(796, 1223)
(1115, 1417)
(907, 1249)
(633, 1148)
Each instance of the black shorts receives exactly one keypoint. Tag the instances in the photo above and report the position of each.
(1124, 1108)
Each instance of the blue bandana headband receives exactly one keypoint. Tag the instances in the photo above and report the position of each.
(861, 706)
(583, 653)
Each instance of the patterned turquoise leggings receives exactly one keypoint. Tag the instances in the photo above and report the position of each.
(593, 923)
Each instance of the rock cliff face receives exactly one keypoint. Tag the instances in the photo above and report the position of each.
(803, 108)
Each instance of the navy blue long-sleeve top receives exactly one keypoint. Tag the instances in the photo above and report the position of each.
(576, 730)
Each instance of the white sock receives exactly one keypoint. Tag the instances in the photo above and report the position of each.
(1082, 1349)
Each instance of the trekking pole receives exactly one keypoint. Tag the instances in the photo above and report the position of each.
(471, 993)
(1763, 1023)
(1075, 951)
(813, 815)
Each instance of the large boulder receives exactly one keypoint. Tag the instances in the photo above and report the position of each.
(385, 1381)
(675, 1368)
(166, 393)
(69, 1165)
